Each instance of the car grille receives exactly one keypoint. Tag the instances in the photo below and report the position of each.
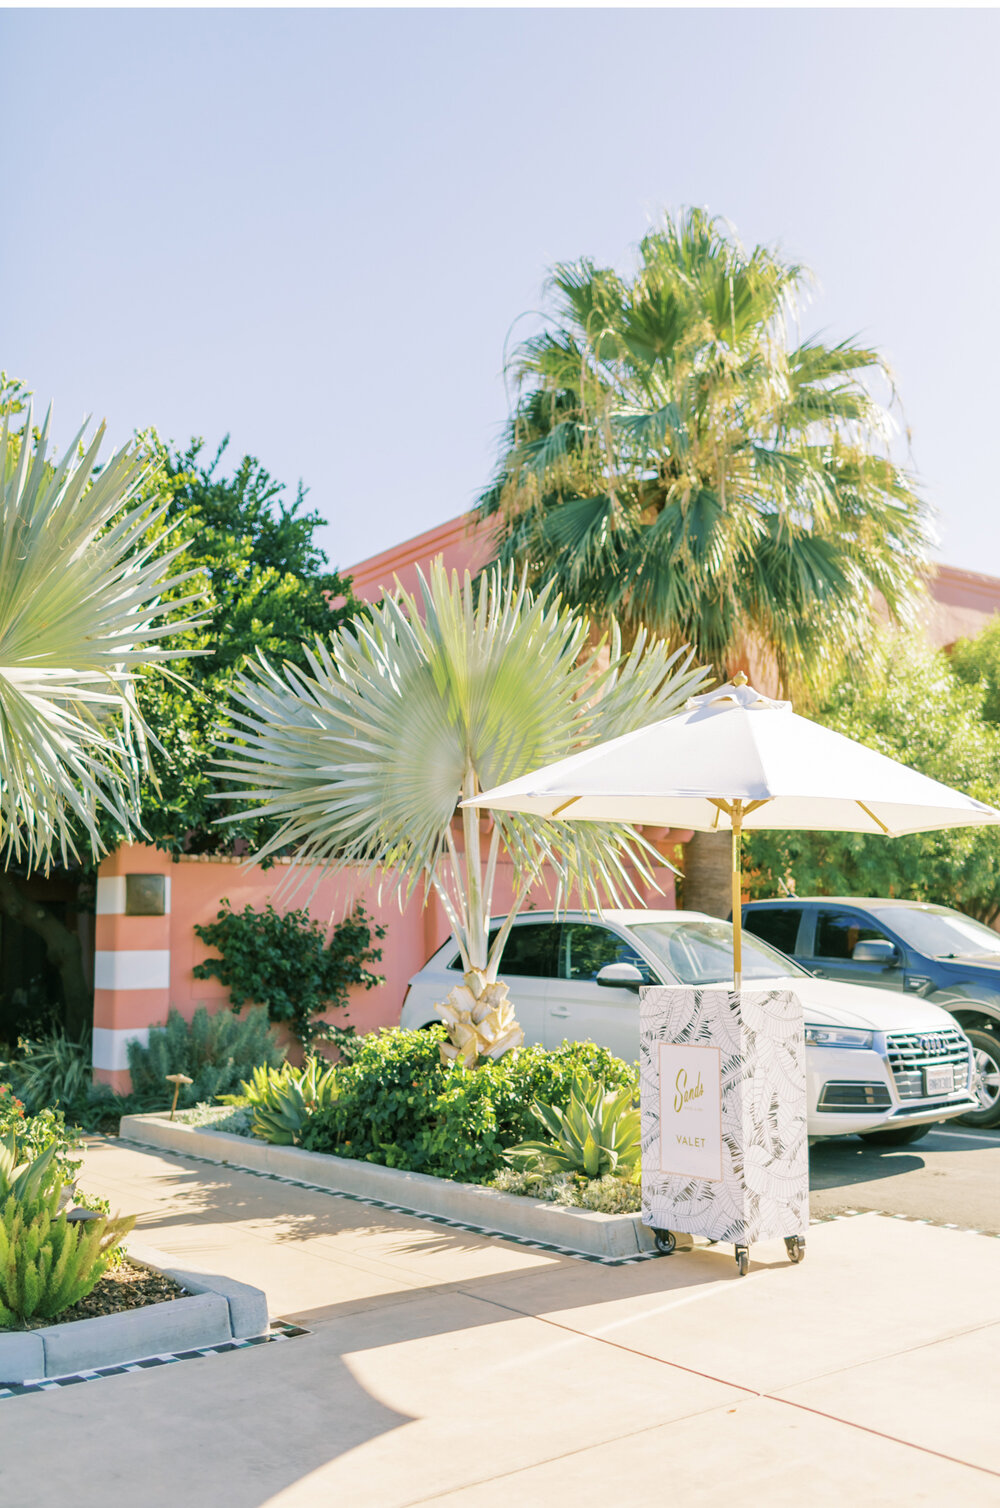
(911, 1052)
(851, 1095)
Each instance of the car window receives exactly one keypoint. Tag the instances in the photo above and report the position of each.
(530, 949)
(941, 933)
(839, 932)
(586, 949)
(777, 925)
(701, 952)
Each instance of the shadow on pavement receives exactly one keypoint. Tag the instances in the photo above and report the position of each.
(834, 1164)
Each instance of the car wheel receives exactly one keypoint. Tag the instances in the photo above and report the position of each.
(896, 1136)
(986, 1057)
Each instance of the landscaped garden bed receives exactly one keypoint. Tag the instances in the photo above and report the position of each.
(126, 1287)
(579, 1230)
(402, 1125)
(71, 1298)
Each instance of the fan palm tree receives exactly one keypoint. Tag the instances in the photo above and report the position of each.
(364, 757)
(81, 575)
(678, 460)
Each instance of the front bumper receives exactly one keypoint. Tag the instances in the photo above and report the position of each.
(842, 1065)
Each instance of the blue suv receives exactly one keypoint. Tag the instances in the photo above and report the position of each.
(931, 951)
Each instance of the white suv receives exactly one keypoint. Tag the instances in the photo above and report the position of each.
(883, 1066)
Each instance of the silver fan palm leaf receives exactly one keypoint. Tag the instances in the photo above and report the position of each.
(363, 757)
(82, 573)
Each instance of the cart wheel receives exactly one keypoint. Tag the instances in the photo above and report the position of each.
(743, 1260)
(796, 1248)
(665, 1242)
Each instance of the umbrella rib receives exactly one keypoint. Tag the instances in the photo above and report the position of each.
(563, 805)
(869, 813)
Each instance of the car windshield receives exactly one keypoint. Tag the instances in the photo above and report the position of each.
(939, 933)
(701, 952)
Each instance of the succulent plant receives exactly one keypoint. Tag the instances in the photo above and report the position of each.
(596, 1135)
(282, 1100)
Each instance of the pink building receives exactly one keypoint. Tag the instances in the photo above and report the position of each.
(144, 962)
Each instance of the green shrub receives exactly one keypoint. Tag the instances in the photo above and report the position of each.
(284, 962)
(33, 1134)
(51, 1070)
(47, 1262)
(216, 1051)
(398, 1105)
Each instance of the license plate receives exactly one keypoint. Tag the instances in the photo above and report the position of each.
(938, 1081)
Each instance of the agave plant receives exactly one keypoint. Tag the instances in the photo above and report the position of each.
(282, 1100)
(595, 1136)
(363, 758)
(81, 577)
(29, 1181)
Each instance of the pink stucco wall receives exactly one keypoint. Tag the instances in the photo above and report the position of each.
(127, 1004)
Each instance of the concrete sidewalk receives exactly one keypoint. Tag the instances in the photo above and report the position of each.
(446, 1368)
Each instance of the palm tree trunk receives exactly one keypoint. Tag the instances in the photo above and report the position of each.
(708, 874)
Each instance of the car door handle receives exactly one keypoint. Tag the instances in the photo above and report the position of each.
(558, 1010)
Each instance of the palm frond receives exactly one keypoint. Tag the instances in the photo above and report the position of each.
(364, 757)
(80, 621)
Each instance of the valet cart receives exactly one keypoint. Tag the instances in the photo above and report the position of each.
(722, 1082)
(731, 760)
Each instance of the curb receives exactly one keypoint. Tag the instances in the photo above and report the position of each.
(584, 1232)
(218, 1311)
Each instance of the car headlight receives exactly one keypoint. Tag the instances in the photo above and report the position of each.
(838, 1036)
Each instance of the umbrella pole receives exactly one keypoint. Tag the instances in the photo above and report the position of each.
(736, 815)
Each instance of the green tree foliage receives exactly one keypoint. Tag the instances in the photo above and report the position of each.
(932, 714)
(286, 963)
(267, 589)
(680, 459)
(976, 662)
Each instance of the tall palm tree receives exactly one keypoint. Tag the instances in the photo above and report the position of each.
(429, 699)
(680, 459)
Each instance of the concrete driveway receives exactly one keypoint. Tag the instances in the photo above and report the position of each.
(442, 1367)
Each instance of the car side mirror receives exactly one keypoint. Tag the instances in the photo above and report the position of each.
(876, 950)
(620, 976)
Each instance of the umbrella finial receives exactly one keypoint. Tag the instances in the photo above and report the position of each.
(739, 679)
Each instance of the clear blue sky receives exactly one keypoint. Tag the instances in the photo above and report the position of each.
(313, 229)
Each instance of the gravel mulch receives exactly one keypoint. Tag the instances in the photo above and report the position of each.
(126, 1287)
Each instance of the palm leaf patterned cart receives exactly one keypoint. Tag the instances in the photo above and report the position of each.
(723, 1100)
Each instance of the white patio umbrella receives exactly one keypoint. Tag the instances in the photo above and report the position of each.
(735, 759)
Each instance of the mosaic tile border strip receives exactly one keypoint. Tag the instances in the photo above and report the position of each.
(962, 1230)
(279, 1331)
(400, 1209)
